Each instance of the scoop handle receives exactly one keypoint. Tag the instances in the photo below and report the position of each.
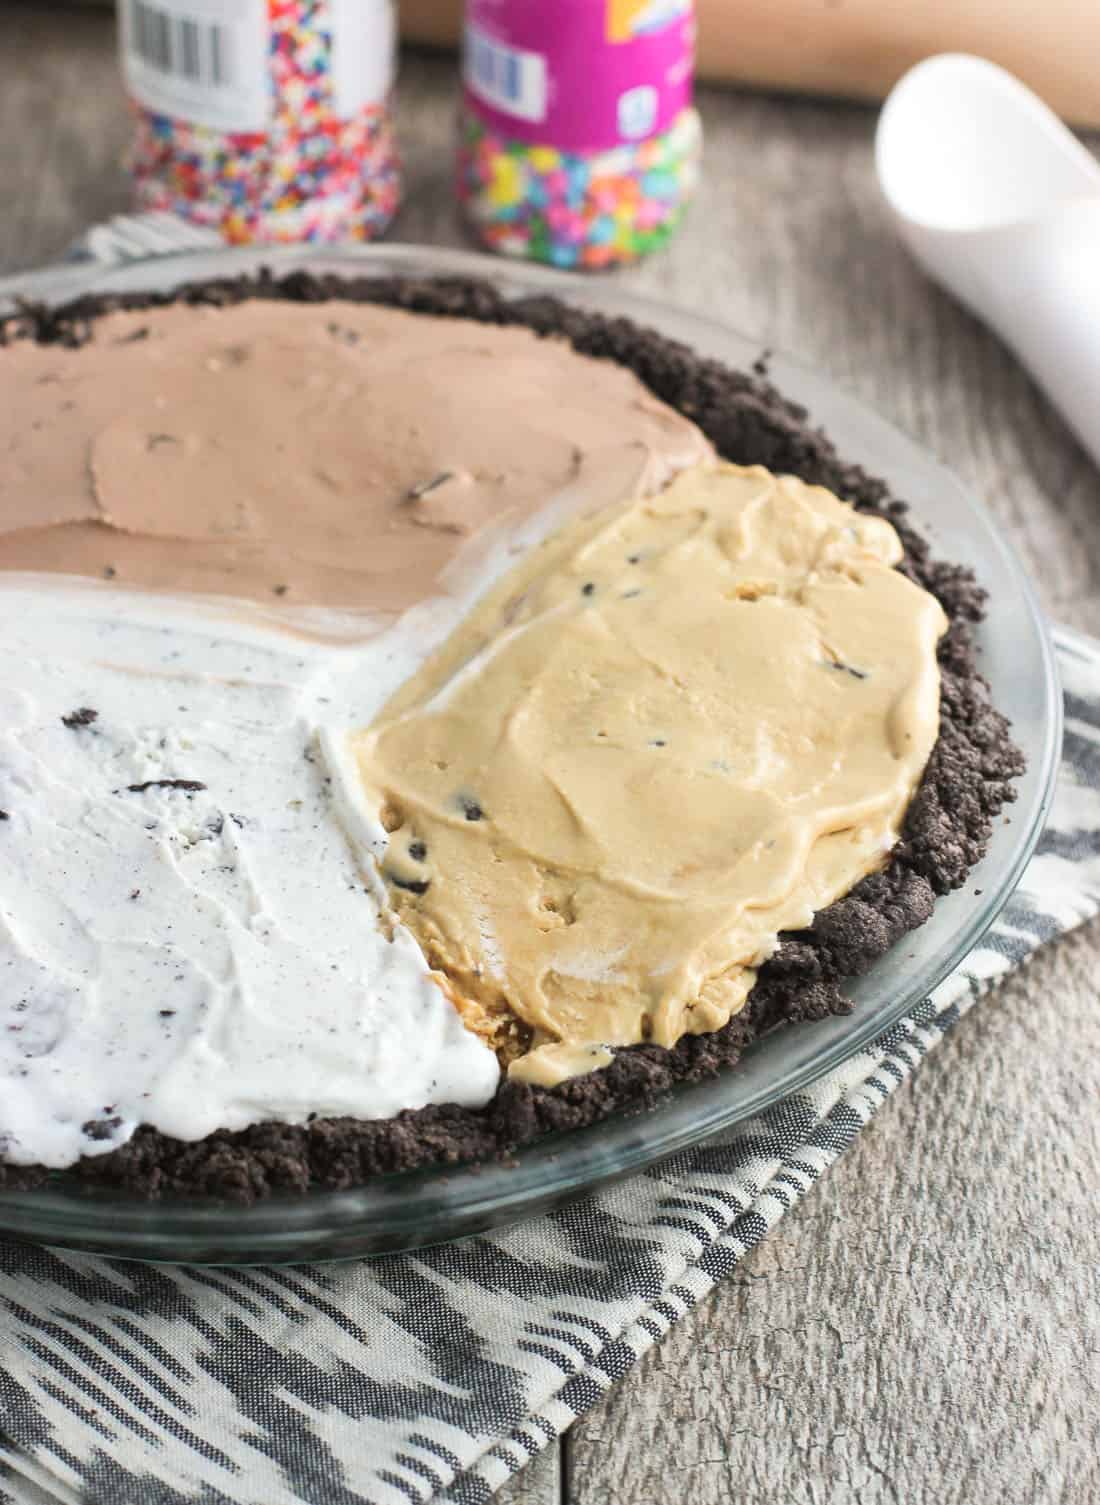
(1038, 285)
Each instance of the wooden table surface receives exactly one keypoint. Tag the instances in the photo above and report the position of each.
(925, 1328)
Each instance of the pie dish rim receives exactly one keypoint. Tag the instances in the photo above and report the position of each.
(413, 1208)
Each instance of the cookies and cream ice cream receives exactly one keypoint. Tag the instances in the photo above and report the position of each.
(287, 593)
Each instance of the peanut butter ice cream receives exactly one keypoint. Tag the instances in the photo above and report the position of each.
(679, 728)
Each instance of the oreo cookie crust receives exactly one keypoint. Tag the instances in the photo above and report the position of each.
(968, 780)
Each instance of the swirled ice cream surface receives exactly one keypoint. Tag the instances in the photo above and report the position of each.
(188, 937)
(193, 932)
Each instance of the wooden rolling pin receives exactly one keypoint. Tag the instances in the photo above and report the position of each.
(860, 48)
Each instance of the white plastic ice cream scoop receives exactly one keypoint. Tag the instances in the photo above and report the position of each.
(1000, 203)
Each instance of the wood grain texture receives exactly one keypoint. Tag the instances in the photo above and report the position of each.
(541, 1482)
(63, 129)
(923, 1330)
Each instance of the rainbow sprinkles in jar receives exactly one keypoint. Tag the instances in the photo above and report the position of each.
(579, 144)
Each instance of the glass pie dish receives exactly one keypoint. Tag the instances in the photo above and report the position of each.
(409, 1209)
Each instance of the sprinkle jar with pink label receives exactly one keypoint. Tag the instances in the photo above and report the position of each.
(579, 144)
(267, 120)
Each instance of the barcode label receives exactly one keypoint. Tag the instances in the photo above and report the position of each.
(201, 52)
(204, 61)
(507, 78)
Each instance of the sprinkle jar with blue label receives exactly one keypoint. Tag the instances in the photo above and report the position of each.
(579, 144)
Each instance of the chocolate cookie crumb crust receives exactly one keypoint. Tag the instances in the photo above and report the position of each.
(968, 780)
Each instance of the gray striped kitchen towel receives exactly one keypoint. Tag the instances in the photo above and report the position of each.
(436, 1376)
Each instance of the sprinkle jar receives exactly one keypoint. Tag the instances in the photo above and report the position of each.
(578, 142)
(267, 120)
